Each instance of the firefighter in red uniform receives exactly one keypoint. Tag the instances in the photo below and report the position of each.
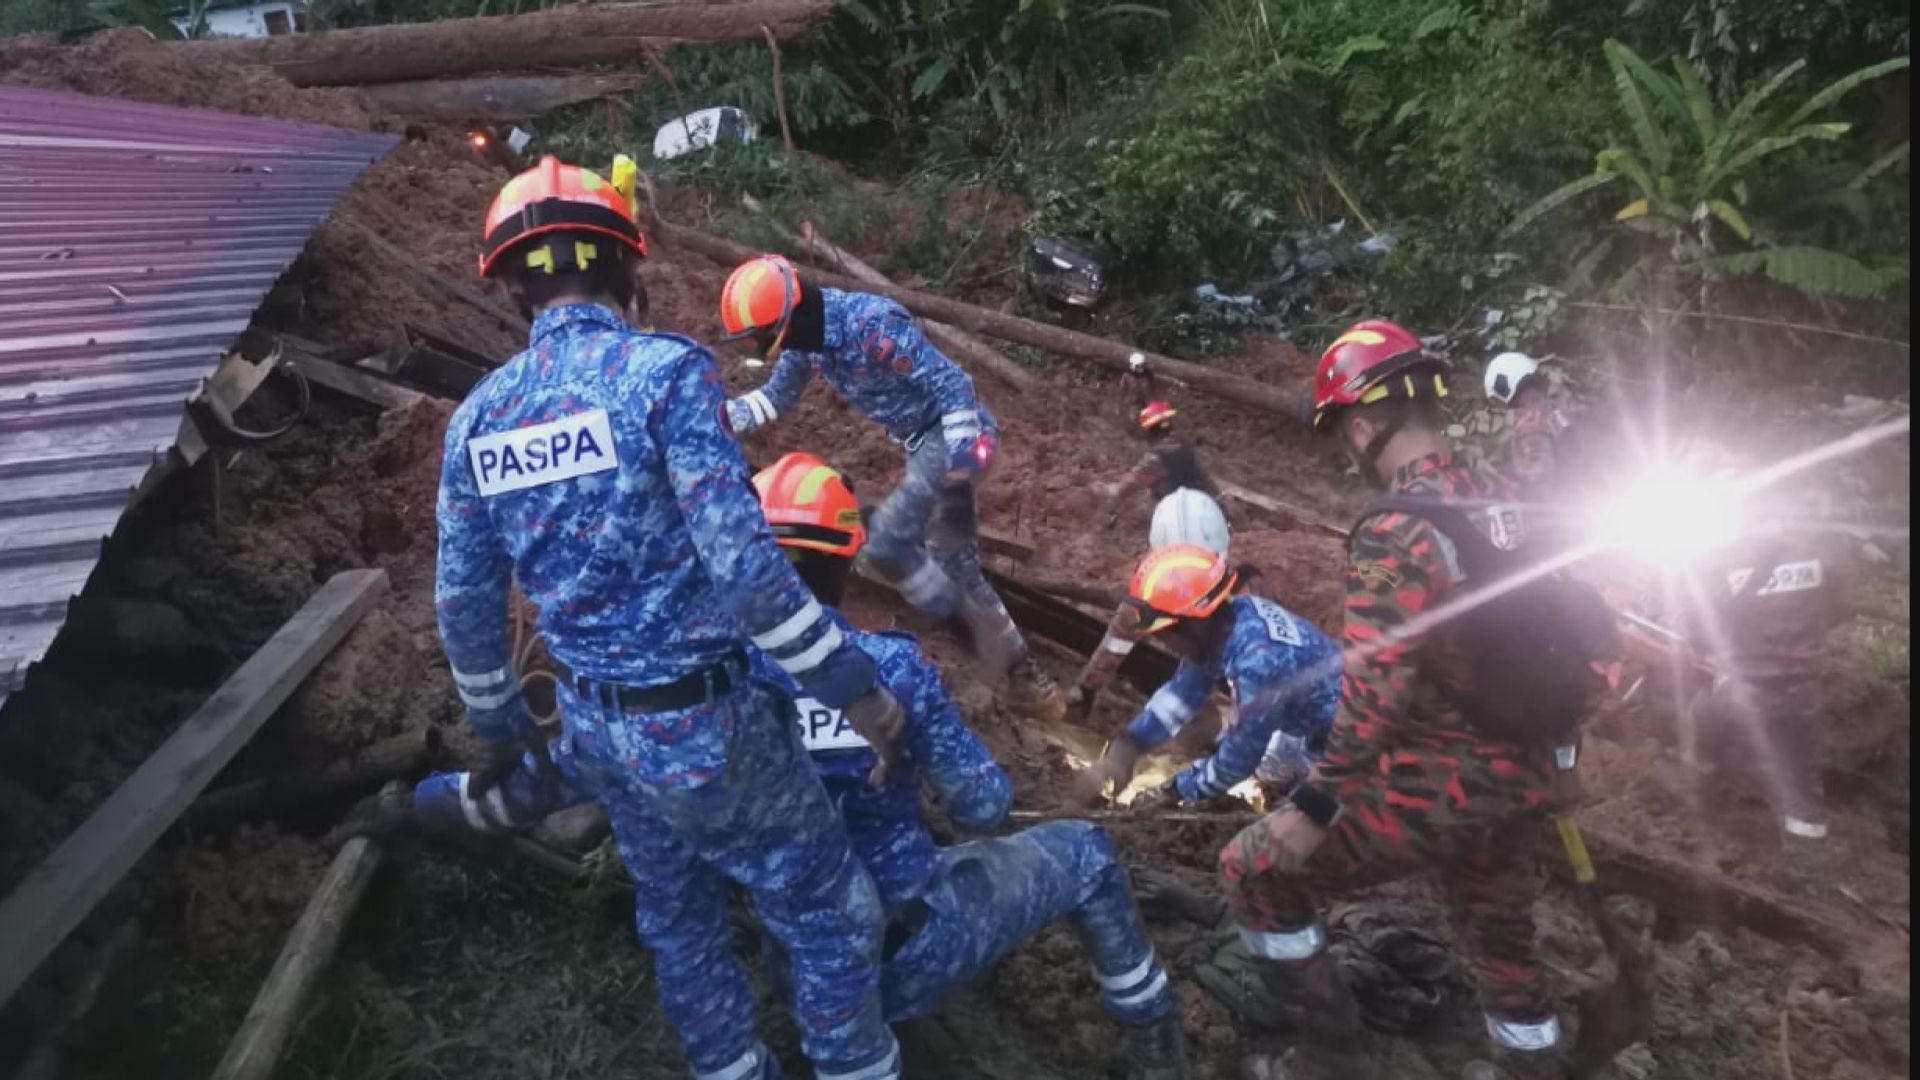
(1407, 784)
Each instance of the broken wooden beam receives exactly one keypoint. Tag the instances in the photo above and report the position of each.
(60, 892)
(356, 383)
(496, 98)
(1036, 612)
(563, 38)
(1054, 339)
(310, 948)
(1286, 510)
(418, 270)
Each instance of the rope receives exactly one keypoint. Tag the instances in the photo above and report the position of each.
(522, 651)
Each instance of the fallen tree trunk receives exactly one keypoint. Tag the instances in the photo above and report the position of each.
(496, 97)
(564, 38)
(998, 324)
(954, 341)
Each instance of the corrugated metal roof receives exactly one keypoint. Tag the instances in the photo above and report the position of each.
(135, 243)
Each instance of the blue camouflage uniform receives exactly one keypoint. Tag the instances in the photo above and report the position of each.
(1283, 676)
(955, 910)
(924, 536)
(596, 471)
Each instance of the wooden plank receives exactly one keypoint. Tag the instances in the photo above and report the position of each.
(283, 997)
(355, 383)
(994, 542)
(1284, 509)
(60, 892)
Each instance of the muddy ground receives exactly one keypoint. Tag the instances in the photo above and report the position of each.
(475, 965)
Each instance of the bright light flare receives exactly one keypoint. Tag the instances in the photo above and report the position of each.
(1671, 516)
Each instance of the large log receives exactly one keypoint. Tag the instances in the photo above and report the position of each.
(564, 38)
(999, 324)
(399, 757)
(496, 98)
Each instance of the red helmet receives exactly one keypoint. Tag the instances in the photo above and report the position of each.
(760, 294)
(1180, 581)
(555, 197)
(811, 506)
(1357, 368)
(1157, 414)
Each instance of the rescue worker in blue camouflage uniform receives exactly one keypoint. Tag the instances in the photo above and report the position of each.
(595, 470)
(925, 533)
(1281, 673)
(955, 911)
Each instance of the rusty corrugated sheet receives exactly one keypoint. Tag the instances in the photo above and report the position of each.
(135, 243)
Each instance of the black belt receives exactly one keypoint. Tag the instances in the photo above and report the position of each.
(685, 692)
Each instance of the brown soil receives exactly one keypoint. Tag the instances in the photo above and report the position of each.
(346, 491)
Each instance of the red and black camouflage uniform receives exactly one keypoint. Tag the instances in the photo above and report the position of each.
(1769, 604)
(1418, 789)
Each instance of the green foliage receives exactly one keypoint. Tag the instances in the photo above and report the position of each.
(1693, 171)
(1196, 176)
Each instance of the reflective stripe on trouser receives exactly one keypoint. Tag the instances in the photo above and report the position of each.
(1487, 875)
(768, 825)
(1767, 728)
(992, 895)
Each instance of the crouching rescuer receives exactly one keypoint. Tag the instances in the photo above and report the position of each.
(952, 912)
(596, 470)
(925, 533)
(1455, 719)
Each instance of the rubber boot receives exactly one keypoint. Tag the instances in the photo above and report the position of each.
(1316, 1005)
(1157, 1051)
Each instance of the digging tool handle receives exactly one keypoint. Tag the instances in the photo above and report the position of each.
(1576, 847)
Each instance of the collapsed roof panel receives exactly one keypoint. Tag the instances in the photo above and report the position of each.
(135, 243)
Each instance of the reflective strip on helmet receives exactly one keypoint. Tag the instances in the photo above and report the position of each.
(792, 628)
(1300, 944)
(1806, 830)
(1515, 1035)
(761, 406)
(811, 657)
(887, 1068)
(746, 1067)
(1165, 566)
(809, 487)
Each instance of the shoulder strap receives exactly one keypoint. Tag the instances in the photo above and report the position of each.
(1478, 557)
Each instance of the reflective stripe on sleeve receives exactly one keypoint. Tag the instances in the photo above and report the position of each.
(470, 807)
(1170, 709)
(924, 584)
(1157, 986)
(791, 628)
(1806, 830)
(1127, 979)
(761, 406)
(1514, 1035)
(1118, 646)
(487, 701)
(810, 658)
(484, 680)
(1300, 944)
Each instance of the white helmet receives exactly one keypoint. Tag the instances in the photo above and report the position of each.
(1189, 516)
(1505, 373)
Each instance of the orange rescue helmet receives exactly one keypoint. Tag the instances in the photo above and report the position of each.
(1157, 414)
(1372, 361)
(556, 197)
(1180, 581)
(760, 294)
(811, 506)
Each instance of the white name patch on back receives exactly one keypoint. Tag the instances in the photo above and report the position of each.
(825, 728)
(1280, 625)
(1785, 578)
(527, 457)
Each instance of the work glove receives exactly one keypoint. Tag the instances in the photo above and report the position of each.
(1160, 895)
(499, 759)
(881, 721)
(1114, 768)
